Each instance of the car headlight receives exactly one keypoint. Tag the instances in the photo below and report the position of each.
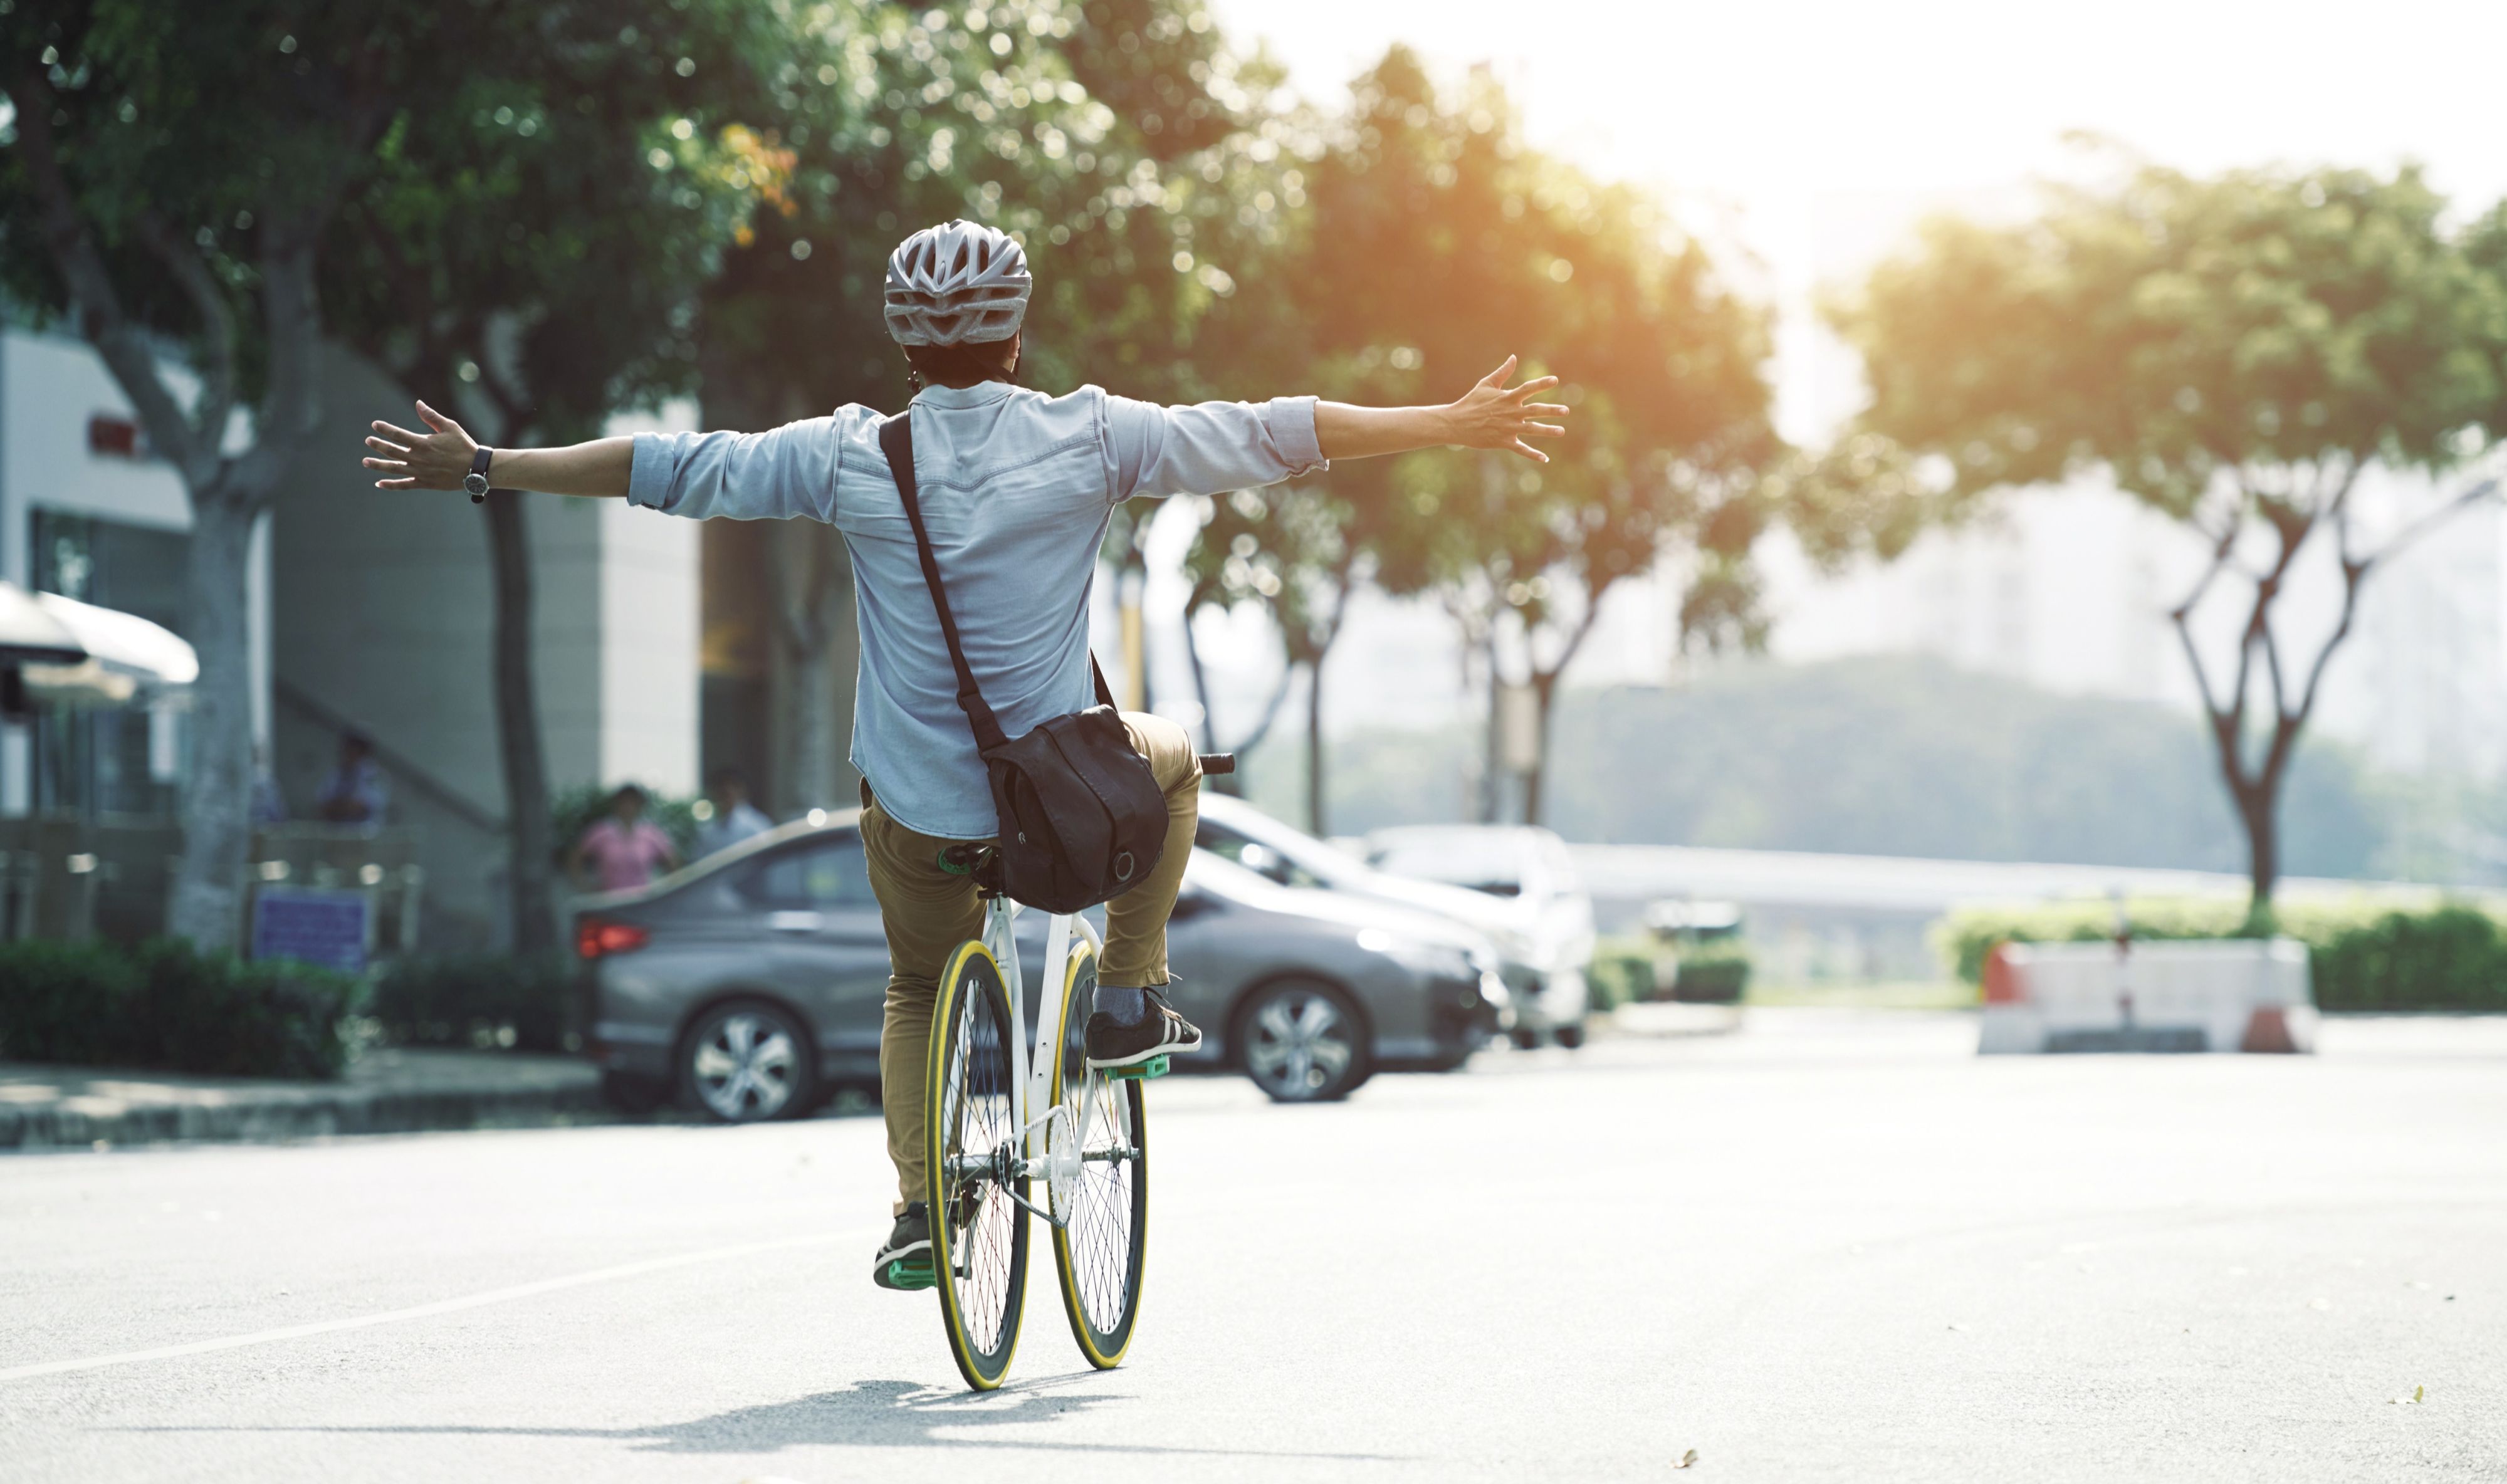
(1436, 960)
(1513, 942)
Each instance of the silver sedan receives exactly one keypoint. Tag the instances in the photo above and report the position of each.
(751, 983)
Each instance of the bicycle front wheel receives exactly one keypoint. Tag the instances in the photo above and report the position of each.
(978, 1229)
(1102, 1196)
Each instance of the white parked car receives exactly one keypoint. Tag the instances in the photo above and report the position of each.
(1528, 896)
(1291, 858)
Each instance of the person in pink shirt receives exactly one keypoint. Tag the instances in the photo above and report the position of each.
(623, 849)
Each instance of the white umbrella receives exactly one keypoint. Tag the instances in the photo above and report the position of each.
(125, 655)
(28, 631)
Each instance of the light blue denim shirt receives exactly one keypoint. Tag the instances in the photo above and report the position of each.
(1017, 489)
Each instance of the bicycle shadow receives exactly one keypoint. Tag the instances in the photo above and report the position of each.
(868, 1414)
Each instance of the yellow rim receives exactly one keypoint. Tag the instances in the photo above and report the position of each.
(1072, 1305)
(935, 1150)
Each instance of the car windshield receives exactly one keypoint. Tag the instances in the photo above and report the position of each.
(1478, 861)
(1212, 872)
(1259, 843)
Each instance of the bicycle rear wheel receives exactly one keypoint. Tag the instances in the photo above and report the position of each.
(978, 1231)
(1103, 1203)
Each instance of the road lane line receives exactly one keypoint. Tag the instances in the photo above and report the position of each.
(440, 1305)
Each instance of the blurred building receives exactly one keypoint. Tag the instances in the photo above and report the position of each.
(370, 611)
(383, 615)
(86, 512)
(2070, 588)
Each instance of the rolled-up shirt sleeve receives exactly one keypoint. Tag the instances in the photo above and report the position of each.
(1208, 447)
(771, 476)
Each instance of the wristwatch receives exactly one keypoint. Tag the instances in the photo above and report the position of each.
(476, 481)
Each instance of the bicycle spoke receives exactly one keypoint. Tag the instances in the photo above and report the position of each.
(1099, 1243)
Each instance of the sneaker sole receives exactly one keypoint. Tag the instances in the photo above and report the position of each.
(913, 1259)
(1146, 1054)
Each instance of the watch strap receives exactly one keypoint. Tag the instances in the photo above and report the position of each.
(479, 462)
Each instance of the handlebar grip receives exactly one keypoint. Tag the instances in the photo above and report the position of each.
(1213, 764)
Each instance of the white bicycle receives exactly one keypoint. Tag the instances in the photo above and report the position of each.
(1002, 1117)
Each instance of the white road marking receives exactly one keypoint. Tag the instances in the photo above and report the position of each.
(441, 1306)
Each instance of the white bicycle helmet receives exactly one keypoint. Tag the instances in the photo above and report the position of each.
(959, 283)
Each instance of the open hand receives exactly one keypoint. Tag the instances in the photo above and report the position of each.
(1490, 416)
(435, 460)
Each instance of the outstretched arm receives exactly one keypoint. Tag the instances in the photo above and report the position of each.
(1489, 416)
(438, 460)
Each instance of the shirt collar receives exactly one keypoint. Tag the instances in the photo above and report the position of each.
(956, 398)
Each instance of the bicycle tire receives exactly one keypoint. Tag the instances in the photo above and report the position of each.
(978, 1232)
(1101, 1247)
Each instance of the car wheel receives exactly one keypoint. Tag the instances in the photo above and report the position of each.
(1570, 1036)
(1301, 1042)
(633, 1093)
(746, 1061)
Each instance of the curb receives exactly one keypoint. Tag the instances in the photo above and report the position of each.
(258, 1114)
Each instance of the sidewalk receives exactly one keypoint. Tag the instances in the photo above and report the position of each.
(385, 1092)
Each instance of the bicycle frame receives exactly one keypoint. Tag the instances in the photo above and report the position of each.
(1032, 1073)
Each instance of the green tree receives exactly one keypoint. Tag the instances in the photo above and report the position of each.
(1439, 244)
(531, 247)
(1293, 551)
(167, 177)
(2235, 352)
(906, 115)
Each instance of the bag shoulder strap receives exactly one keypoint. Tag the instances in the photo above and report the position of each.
(897, 441)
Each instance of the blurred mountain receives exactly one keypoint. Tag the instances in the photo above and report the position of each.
(1885, 757)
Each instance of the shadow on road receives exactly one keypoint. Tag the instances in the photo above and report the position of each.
(868, 1414)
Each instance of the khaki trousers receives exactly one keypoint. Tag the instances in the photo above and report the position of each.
(927, 911)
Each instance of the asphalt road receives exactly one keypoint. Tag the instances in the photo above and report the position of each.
(1830, 1247)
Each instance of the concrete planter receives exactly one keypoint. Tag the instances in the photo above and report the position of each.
(2238, 995)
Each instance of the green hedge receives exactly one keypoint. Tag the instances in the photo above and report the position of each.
(1713, 973)
(2366, 955)
(1624, 972)
(162, 1007)
(481, 1002)
(1621, 973)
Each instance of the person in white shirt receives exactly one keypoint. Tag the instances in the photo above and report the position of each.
(735, 818)
(1017, 488)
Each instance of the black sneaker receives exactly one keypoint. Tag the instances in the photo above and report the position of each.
(904, 1260)
(1112, 1044)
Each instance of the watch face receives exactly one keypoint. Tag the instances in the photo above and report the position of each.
(475, 484)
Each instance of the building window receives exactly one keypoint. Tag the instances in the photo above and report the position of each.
(107, 761)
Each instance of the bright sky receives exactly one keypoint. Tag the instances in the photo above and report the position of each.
(1818, 128)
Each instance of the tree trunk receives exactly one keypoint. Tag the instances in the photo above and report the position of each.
(1209, 728)
(207, 900)
(1317, 823)
(812, 578)
(1545, 694)
(530, 872)
(1230, 784)
(1493, 739)
(2257, 804)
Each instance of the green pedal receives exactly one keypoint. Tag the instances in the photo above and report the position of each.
(909, 1275)
(1155, 1067)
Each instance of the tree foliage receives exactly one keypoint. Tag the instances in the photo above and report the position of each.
(2235, 352)
(168, 176)
(1436, 243)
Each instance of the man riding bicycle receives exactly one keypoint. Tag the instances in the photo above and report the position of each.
(1017, 489)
